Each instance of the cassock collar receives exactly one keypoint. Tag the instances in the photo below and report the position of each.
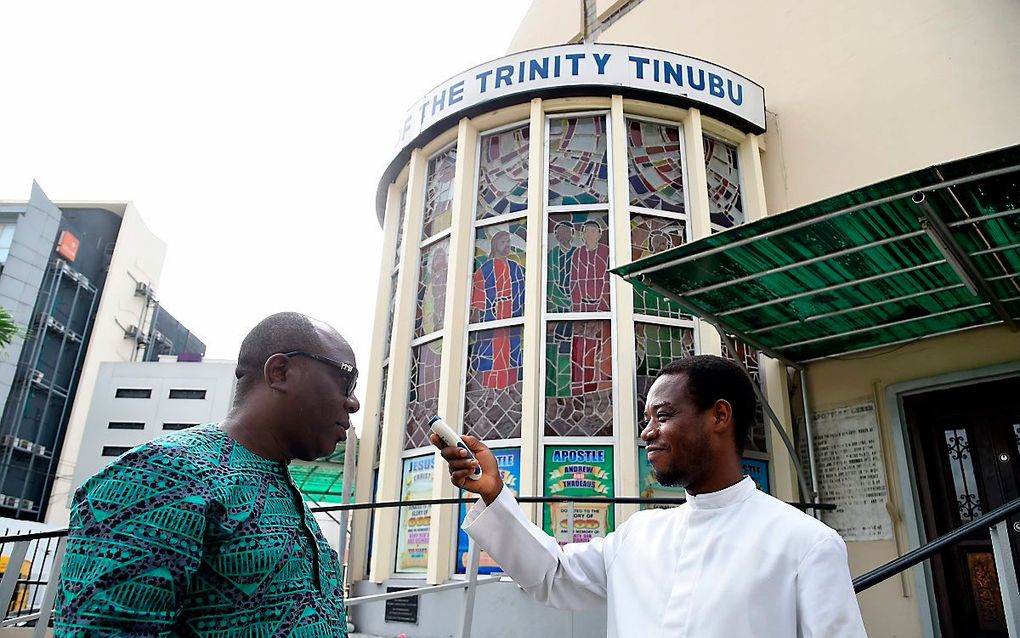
(732, 495)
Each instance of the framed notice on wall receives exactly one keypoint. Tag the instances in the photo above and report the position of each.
(413, 526)
(509, 462)
(578, 471)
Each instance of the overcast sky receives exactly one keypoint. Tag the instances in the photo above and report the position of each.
(251, 136)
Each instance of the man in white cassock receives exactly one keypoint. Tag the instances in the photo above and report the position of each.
(731, 562)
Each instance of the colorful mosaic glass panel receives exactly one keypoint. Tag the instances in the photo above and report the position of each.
(578, 379)
(649, 235)
(578, 266)
(756, 437)
(578, 161)
(431, 306)
(655, 166)
(388, 337)
(493, 384)
(968, 501)
(654, 347)
(382, 415)
(987, 596)
(438, 211)
(725, 206)
(503, 173)
(497, 282)
(423, 397)
(400, 226)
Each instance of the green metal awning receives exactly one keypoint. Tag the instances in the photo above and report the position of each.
(321, 481)
(931, 252)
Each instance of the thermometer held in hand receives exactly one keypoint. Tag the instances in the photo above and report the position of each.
(446, 433)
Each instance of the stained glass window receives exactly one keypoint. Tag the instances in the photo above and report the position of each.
(968, 501)
(578, 161)
(492, 394)
(400, 226)
(431, 306)
(756, 437)
(655, 346)
(438, 211)
(382, 415)
(655, 166)
(423, 397)
(497, 282)
(725, 206)
(388, 337)
(503, 173)
(650, 234)
(578, 379)
(578, 266)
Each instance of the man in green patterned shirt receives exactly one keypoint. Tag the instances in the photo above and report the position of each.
(203, 532)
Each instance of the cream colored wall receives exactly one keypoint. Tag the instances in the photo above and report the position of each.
(548, 22)
(860, 91)
(137, 257)
(890, 608)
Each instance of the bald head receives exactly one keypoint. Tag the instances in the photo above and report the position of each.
(282, 332)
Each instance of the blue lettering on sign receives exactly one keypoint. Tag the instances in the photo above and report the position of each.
(601, 61)
(438, 100)
(538, 70)
(715, 85)
(639, 66)
(674, 72)
(457, 92)
(579, 456)
(482, 78)
(737, 99)
(575, 60)
(700, 84)
(504, 74)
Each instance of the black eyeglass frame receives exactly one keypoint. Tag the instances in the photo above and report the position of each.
(342, 366)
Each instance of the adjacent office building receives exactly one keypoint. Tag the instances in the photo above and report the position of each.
(615, 131)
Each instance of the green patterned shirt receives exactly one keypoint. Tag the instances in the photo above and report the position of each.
(194, 535)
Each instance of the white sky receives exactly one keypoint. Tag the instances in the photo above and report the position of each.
(250, 135)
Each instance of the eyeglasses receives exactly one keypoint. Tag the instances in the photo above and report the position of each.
(345, 368)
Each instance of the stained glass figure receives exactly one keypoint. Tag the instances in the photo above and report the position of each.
(578, 379)
(503, 173)
(400, 226)
(749, 356)
(578, 270)
(497, 285)
(431, 306)
(423, 397)
(655, 166)
(725, 207)
(382, 414)
(578, 161)
(655, 346)
(493, 384)
(438, 211)
(650, 235)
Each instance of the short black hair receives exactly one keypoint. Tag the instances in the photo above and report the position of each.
(710, 378)
(282, 332)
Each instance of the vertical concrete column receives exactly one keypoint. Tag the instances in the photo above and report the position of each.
(753, 191)
(451, 371)
(532, 393)
(623, 333)
(784, 472)
(384, 534)
(372, 403)
(697, 199)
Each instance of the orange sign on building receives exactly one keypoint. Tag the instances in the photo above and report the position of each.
(67, 246)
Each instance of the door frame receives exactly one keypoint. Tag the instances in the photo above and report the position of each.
(912, 518)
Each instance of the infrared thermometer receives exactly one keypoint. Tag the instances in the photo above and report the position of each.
(446, 433)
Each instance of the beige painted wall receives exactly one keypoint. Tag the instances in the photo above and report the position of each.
(860, 91)
(137, 257)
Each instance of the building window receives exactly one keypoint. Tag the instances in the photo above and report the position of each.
(438, 212)
(578, 379)
(725, 205)
(430, 309)
(114, 450)
(423, 397)
(6, 239)
(133, 393)
(126, 425)
(656, 345)
(578, 267)
(178, 426)
(187, 394)
(578, 161)
(503, 173)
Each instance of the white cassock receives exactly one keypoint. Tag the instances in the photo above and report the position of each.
(731, 563)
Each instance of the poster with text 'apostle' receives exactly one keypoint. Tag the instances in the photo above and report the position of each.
(851, 473)
(578, 471)
(413, 528)
(509, 462)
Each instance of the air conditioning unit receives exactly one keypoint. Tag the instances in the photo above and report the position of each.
(27, 504)
(23, 444)
(39, 449)
(37, 376)
(6, 440)
(133, 332)
(9, 501)
(143, 289)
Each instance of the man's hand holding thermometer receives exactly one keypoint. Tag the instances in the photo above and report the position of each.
(472, 465)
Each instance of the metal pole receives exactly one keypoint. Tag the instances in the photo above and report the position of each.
(1007, 575)
(469, 594)
(809, 434)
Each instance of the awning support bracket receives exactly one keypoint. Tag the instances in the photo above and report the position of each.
(960, 261)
